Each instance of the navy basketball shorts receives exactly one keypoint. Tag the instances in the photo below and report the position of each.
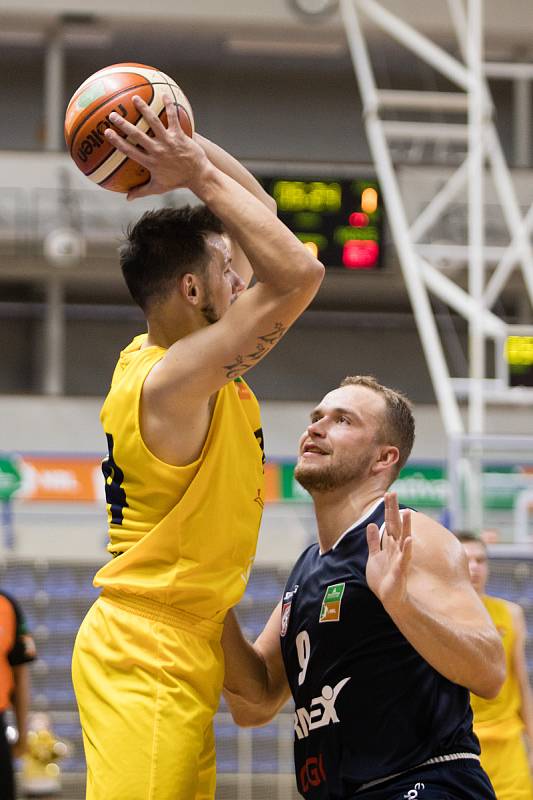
(463, 779)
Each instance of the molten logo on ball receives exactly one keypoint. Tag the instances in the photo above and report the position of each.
(96, 137)
(87, 117)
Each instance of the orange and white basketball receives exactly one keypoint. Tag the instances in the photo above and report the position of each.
(87, 117)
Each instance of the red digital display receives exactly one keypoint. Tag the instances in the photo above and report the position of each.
(360, 254)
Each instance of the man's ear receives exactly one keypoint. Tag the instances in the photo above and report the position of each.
(388, 456)
(189, 288)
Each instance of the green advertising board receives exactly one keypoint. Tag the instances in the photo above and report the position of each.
(10, 476)
(427, 486)
(422, 487)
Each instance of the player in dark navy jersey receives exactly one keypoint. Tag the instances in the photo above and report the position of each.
(379, 635)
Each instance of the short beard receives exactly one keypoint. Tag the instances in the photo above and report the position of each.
(331, 477)
(208, 309)
(209, 314)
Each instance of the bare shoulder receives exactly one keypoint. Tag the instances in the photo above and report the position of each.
(436, 548)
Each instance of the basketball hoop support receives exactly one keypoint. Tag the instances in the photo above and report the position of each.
(417, 253)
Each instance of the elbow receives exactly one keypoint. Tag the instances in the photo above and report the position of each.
(308, 275)
(316, 272)
(494, 673)
(494, 684)
(489, 689)
(252, 717)
(248, 713)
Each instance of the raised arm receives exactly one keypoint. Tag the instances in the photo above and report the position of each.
(287, 274)
(230, 166)
(420, 574)
(255, 684)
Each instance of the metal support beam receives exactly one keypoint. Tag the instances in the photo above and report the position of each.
(434, 131)
(503, 184)
(422, 259)
(476, 161)
(430, 101)
(509, 259)
(476, 267)
(53, 90)
(522, 122)
(422, 310)
(508, 71)
(54, 339)
(449, 191)
(460, 300)
(416, 42)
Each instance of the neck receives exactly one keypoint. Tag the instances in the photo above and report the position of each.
(163, 330)
(338, 509)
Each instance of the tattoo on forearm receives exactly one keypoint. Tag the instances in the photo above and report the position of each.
(264, 344)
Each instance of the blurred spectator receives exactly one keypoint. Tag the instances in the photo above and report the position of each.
(41, 775)
(490, 536)
(16, 650)
(503, 723)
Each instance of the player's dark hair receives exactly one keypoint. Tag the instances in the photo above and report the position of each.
(398, 427)
(470, 536)
(162, 246)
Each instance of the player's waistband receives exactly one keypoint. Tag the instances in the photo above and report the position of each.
(160, 612)
(434, 760)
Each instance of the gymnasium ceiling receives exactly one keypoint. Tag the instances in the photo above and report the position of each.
(249, 34)
(222, 29)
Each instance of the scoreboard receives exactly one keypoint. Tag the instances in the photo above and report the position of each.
(519, 357)
(339, 219)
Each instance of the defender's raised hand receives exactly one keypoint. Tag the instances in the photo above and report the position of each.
(389, 557)
(173, 158)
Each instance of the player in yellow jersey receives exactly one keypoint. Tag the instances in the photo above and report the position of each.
(184, 472)
(503, 724)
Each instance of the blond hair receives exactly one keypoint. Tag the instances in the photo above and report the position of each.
(398, 422)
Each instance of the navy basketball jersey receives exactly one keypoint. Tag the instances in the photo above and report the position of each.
(367, 706)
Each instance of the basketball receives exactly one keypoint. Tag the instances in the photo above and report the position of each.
(87, 117)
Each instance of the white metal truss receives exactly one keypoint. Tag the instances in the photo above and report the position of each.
(418, 254)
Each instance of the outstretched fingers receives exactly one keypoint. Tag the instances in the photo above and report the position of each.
(405, 553)
(135, 153)
(140, 146)
(134, 145)
(134, 133)
(149, 115)
(373, 539)
(173, 122)
(404, 543)
(393, 518)
(407, 549)
(154, 122)
(406, 525)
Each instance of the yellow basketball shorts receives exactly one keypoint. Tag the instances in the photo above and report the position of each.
(505, 761)
(147, 680)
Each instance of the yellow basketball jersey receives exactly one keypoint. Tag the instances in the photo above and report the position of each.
(498, 724)
(503, 709)
(182, 536)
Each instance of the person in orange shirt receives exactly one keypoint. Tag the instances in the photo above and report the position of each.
(16, 651)
(504, 723)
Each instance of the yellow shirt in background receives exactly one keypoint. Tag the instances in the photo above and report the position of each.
(497, 722)
(505, 707)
